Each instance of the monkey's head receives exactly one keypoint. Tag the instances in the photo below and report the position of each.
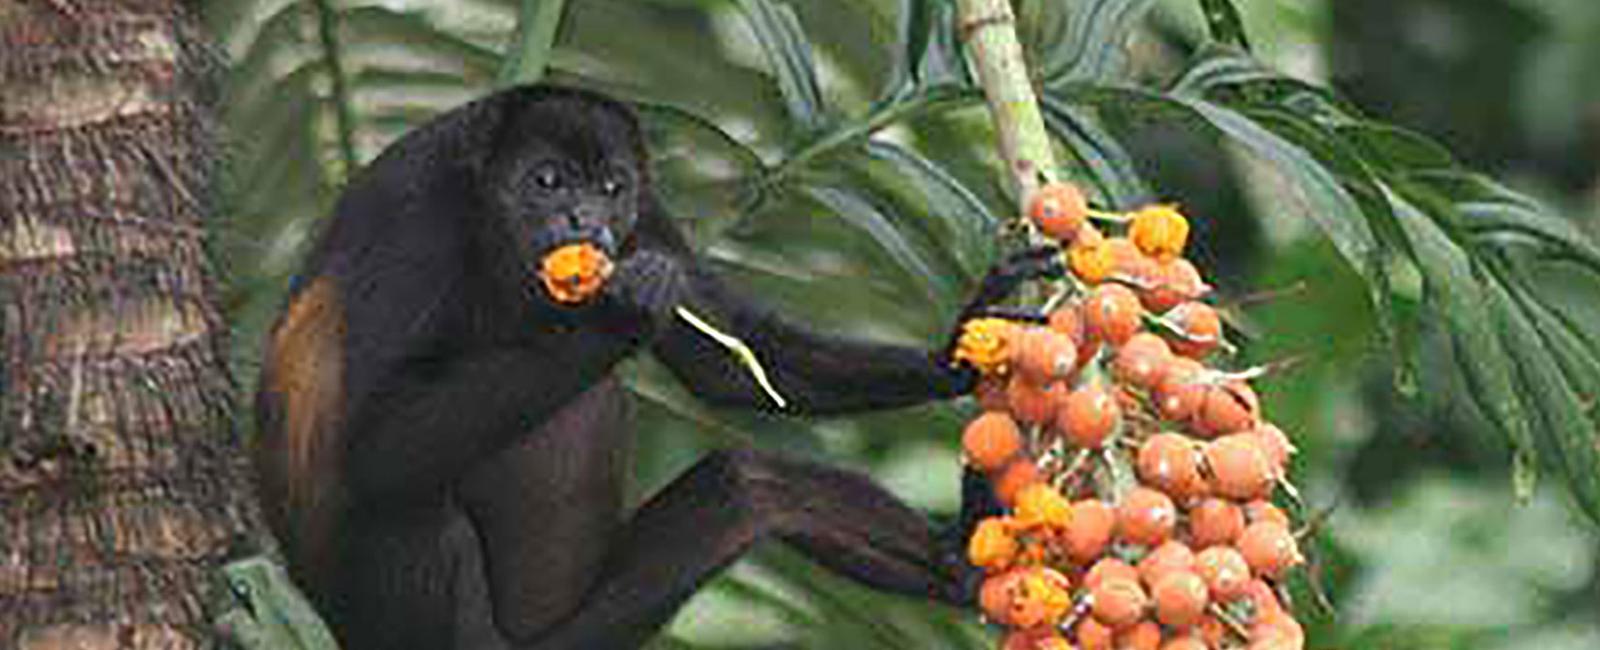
(567, 167)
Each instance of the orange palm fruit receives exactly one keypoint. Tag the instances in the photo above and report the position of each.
(1189, 641)
(1094, 635)
(1215, 521)
(1228, 407)
(1112, 313)
(1225, 571)
(1058, 210)
(1180, 599)
(1171, 283)
(1088, 416)
(1118, 603)
(1034, 403)
(1009, 482)
(1109, 568)
(1263, 510)
(1146, 517)
(1171, 556)
(1269, 548)
(1044, 355)
(1144, 635)
(1089, 530)
(1240, 467)
(991, 440)
(574, 273)
(1199, 329)
(1171, 462)
(1143, 361)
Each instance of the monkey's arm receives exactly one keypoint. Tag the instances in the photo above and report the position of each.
(818, 373)
(815, 373)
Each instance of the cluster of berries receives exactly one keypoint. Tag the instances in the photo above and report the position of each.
(1137, 480)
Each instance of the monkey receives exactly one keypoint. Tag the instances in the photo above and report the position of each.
(442, 448)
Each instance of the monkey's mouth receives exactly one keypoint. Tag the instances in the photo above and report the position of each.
(554, 237)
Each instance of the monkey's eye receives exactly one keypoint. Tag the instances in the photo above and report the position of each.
(547, 177)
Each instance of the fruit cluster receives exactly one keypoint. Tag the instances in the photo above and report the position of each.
(1137, 480)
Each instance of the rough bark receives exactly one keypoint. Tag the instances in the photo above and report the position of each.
(121, 488)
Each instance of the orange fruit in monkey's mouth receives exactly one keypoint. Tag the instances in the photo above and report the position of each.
(574, 273)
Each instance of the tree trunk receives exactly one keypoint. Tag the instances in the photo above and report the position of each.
(121, 485)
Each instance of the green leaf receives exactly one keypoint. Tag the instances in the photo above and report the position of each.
(1093, 47)
(703, 174)
(1326, 200)
(788, 53)
(1531, 366)
(1473, 317)
(959, 221)
(1110, 167)
(535, 35)
(1223, 22)
(377, 34)
(928, 53)
(912, 262)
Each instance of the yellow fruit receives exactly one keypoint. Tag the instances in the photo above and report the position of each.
(987, 344)
(1159, 231)
(993, 546)
(1090, 256)
(1041, 506)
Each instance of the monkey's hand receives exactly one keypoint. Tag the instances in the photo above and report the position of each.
(645, 288)
(998, 284)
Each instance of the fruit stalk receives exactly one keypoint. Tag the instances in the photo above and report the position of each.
(987, 27)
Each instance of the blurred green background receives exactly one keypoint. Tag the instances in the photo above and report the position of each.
(1420, 540)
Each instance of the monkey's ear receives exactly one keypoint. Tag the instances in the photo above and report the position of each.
(300, 407)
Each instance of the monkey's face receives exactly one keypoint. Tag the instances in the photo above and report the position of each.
(567, 172)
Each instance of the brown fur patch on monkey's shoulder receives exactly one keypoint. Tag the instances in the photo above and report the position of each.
(300, 409)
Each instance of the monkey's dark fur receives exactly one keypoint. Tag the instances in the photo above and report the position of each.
(443, 449)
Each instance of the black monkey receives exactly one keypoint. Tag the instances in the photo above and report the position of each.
(443, 448)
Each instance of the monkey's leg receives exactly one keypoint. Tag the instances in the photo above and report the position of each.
(713, 513)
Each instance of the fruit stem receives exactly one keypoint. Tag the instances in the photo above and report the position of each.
(746, 356)
(1233, 624)
(988, 29)
(1111, 217)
